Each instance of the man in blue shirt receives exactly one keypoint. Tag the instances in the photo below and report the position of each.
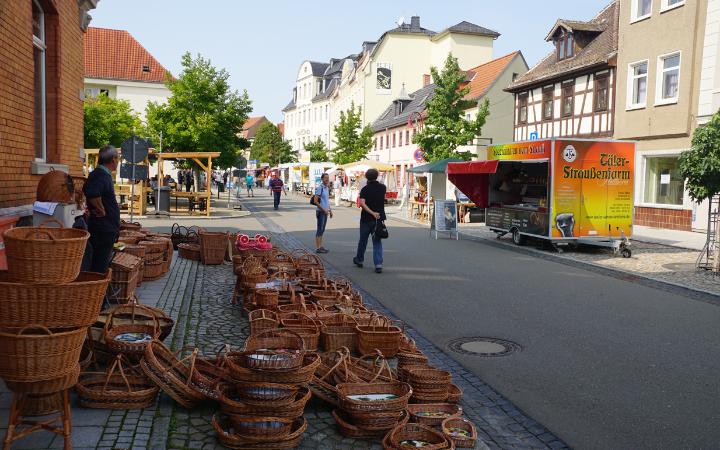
(104, 221)
(321, 200)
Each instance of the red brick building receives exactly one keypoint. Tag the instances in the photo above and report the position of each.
(41, 89)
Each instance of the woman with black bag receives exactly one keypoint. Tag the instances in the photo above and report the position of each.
(372, 220)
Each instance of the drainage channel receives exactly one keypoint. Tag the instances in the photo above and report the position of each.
(483, 346)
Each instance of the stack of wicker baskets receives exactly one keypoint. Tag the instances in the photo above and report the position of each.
(47, 306)
(156, 257)
(264, 403)
(126, 274)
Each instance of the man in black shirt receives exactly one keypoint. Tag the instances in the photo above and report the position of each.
(372, 202)
(104, 222)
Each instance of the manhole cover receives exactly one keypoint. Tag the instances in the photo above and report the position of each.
(483, 346)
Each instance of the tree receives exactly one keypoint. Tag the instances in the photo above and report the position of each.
(108, 121)
(700, 165)
(203, 114)
(352, 142)
(318, 151)
(446, 128)
(270, 147)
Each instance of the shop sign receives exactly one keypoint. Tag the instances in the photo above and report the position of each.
(593, 188)
(520, 151)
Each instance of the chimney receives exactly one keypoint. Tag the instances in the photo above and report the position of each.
(427, 79)
(415, 23)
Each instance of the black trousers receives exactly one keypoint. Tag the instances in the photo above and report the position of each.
(102, 247)
(276, 199)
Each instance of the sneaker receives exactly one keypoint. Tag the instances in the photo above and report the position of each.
(357, 263)
(322, 250)
(378, 270)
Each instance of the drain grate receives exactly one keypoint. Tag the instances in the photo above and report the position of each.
(483, 346)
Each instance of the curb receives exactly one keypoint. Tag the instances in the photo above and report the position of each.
(233, 216)
(695, 293)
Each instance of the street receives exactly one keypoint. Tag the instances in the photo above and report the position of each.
(605, 363)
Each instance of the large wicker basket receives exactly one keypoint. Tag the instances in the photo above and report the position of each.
(75, 304)
(44, 255)
(35, 353)
(230, 438)
(383, 337)
(116, 389)
(114, 331)
(232, 403)
(412, 431)
(175, 377)
(433, 414)
(213, 247)
(189, 251)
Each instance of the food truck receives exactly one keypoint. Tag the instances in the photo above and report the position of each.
(562, 190)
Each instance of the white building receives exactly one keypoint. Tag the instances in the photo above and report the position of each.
(116, 64)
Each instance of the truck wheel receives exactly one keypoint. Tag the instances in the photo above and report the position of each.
(517, 238)
(626, 253)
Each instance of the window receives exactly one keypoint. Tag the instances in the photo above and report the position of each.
(565, 46)
(407, 137)
(522, 108)
(547, 103)
(39, 49)
(668, 79)
(641, 9)
(601, 92)
(375, 143)
(670, 4)
(393, 140)
(637, 80)
(400, 138)
(664, 185)
(568, 98)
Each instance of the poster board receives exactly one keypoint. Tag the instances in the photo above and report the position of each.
(445, 218)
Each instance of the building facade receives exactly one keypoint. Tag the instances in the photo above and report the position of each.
(117, 65)
(41, 81)
(666, 87)
(571, 92)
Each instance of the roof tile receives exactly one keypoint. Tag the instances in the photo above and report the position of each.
(486, 74)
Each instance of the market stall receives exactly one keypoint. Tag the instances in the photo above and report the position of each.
(432, 185)
(565, 191)
(355, 173)
(204, 161)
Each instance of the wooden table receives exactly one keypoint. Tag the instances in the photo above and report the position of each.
(191, 196)
(422, 212)
(462, 210)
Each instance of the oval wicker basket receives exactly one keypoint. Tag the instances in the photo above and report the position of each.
(116, 389)
(262, 428)
(231, 439)
(400, 391)
(301, 375)
(270, 359)
(281, 338)
(129, 348)
(44, 255)
(351, 430)
(74, 304)
(433, 414)
(147, 316)
(175, 377)
(416, 432)
(383, 337)
(232, 403)
(189, 251)
(461, 431)
(262, 320)
(40, 355)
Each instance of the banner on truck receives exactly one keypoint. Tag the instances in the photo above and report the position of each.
(520, 151)
(593, 188)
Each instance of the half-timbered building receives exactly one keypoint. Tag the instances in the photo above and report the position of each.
(571, 92)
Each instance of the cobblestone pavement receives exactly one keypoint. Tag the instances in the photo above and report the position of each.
(658, 263)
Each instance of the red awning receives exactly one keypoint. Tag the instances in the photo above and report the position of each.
(472, 167)
(473, 178)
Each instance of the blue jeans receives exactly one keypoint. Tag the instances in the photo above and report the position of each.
(322, 219)
(276, 199)
(366, 229)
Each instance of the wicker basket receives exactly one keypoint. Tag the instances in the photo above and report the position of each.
(383, 337)
(460, 431)
(135, 250)
(125, 276)
(267, 298)
(154, 246)
(275, 394)
(269, 359)
(301, 375)
(228, 436)
(428, 382)
(147, 315)
(34, 353)
(262, 320)
(454, 394)
(155, 270)
(36, 405)
(45, 386)
(173, 376)
(274, 339)
(232, 403)
(189, 251)
(416, 432)
(213, 247)
(340, 334)
(116, 389)
(130, 226)
(113, 330)
(184, 235)
(44, 255)
(433, 414)
(350, 430)
(350, 404)
(65, 305)
(262, 428)
(306, 327)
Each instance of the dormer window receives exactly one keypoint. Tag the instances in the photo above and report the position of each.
(146, 69)
(565, 44)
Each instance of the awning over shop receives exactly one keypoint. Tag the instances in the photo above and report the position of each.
(472, 179)
(365, 165)
(435, 166)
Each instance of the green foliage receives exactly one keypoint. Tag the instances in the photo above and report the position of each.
(352, 142)
(203, 114)
(270, 147)
(700, 165)
(318, 151)
(446, 128)
(108, 121)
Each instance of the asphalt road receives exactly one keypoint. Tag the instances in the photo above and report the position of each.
(605, 363)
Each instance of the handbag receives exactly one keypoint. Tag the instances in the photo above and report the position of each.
(381, 230)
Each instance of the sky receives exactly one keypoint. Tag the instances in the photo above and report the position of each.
(263, 43)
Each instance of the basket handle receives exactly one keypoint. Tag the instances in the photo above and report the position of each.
(343, 352)
(51, 219)
(34, 327)
(117, 364)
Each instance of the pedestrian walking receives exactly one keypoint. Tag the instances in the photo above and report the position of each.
(189, 179)
(372, 202)
(337, 186)
(321, 200)
(249, 182)
(277, 187)
(267, 180)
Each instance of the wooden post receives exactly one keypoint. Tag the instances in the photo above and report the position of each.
(209, 184)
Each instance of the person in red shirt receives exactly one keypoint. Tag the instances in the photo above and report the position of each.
(277, 187)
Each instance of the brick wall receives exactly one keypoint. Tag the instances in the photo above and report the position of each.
(671, 219)
(64, 81)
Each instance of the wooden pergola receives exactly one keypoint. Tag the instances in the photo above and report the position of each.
(198, 157)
